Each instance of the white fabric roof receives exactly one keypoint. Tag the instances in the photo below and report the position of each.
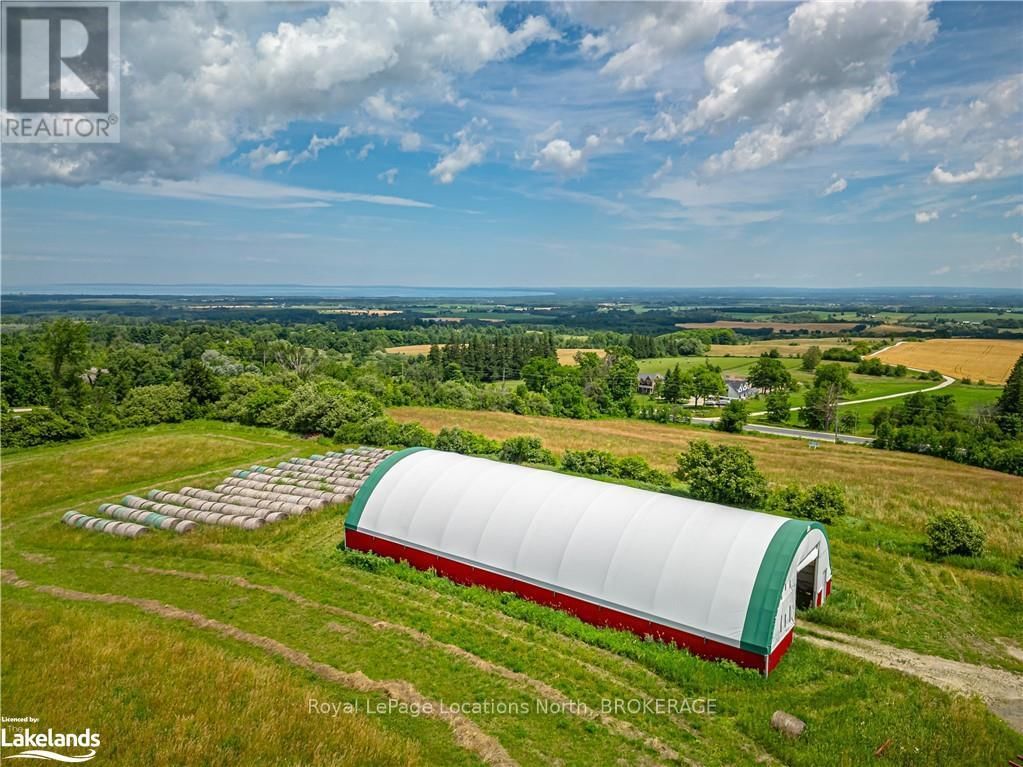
(679, 561)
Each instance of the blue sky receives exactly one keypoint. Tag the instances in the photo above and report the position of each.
(578, 144)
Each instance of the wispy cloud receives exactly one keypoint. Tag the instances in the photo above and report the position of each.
(238, 190)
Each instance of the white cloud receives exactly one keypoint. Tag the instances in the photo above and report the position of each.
(559, 156)
(378, 107)
(1016, 238)
(662, 171)
(926, 216)
(1010, 263)
(410, 142)
(317, 144)
(1017, 211)
(644, 38)
(364, 152)
(254, 193)
(941, 270)
(1002, 160)
(987, 111)
(809, 87)
(839, 184)
(469, 151)
(266, 155)
(390, 176)
(915, 128)
(196, 83)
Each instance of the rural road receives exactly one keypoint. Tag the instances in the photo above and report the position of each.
(783, 431)
(822, 436)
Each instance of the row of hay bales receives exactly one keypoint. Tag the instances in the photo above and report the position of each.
(248, 499)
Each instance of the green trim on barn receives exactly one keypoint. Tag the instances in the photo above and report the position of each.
(364, 492)
(758, 628)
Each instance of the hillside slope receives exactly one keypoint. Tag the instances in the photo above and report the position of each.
(227, 647)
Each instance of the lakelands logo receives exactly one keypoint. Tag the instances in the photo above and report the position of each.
(62, 72)
(38, 745)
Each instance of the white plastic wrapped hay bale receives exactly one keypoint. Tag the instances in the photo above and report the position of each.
(260, 507)
(147, 518)
(218, 507)
(196, 515)
(244, 489)
(100, 525)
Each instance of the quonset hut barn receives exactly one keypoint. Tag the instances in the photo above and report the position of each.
(718, 581)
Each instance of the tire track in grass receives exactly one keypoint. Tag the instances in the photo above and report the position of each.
(467, 733)
(523, 681)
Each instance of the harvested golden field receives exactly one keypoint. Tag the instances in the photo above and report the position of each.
(895, 330)
(567, 356)
(976, 358)
(412, 350)
(824, 327)
(786, 347)
(901, 489)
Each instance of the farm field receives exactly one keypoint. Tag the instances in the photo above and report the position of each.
(866, 386)
(412, 350)
(738, 366)
(565, 356)
(985, 360)
(823, 327)
(261, 624)
(787, 347)
(968, 399)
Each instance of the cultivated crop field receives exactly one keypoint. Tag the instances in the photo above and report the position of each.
(225, 646)
(980, 359)
(412, 350)
(565, 356)
(786, 347)
(781, 327)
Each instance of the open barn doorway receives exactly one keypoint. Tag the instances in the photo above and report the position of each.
(806, 581)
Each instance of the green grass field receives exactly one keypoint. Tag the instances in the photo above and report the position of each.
(866, 386)
(969, 399)
(208, 648)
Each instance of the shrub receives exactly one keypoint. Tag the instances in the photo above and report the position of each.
(456, 440)
(325, 406)
(733, 417)
(526, 450)
(777, 405)
(824, 503)
(954, 533)
(589, 462)
(37, 428)
(159, 403)
(721, 473)
(820, 503)
(606, 464)
(412, 435)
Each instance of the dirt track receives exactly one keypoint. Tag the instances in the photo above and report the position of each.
(1001, 690)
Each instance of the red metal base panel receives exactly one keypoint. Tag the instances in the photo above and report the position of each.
(598, 615)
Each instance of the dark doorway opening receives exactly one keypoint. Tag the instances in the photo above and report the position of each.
(806, 586)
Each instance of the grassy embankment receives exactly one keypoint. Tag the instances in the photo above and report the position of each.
(167, 687)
